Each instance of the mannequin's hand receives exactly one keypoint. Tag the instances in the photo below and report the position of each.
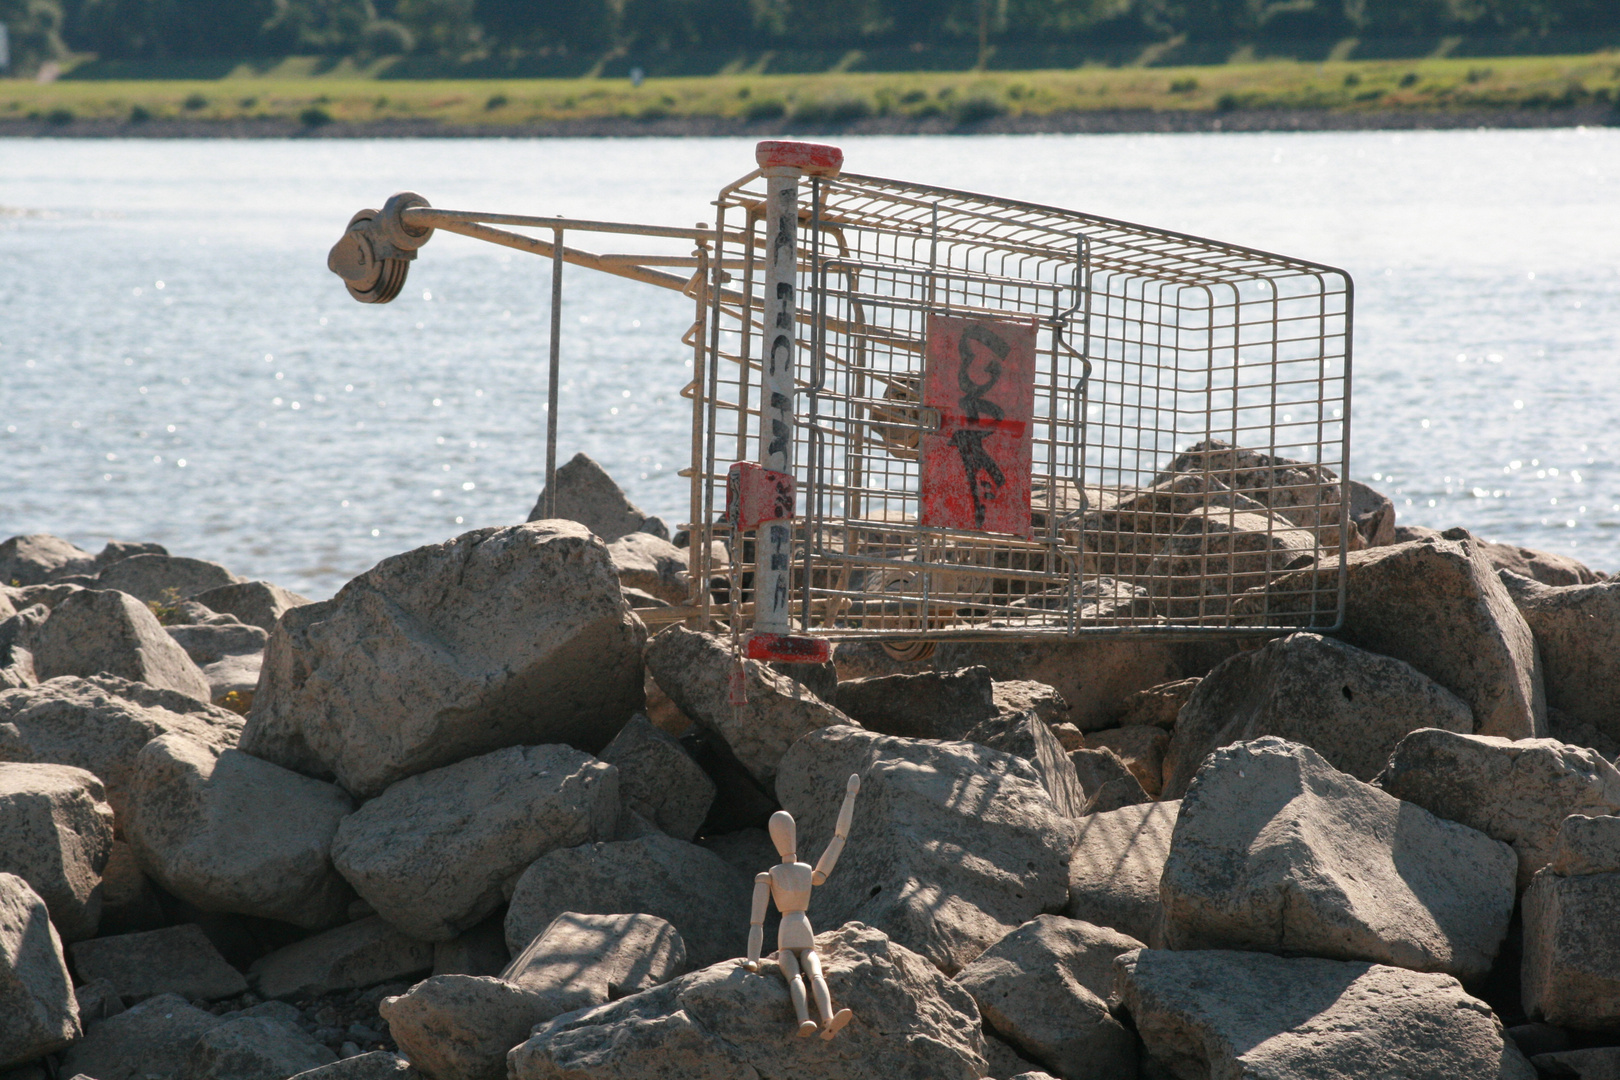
(751, 965)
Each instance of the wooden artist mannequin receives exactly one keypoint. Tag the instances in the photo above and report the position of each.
(789, 883)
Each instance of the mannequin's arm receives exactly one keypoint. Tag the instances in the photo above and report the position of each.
(846, 814)
(756, 921)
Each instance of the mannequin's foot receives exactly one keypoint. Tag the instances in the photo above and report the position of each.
(836, 1024)
(807, 1028)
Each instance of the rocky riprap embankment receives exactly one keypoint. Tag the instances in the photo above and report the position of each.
(466, 821)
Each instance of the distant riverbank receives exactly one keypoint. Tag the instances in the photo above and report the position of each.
(1100, 121)
(1431, 93)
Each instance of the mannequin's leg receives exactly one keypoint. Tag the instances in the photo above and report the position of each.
(789, 963)
(831, 1023)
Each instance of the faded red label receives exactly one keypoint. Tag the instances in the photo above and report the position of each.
(975, 468)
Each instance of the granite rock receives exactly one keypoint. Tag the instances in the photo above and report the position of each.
(102, 632)
(1276, 851)
(56, 833)
(953, 845)
(1517, 792)
(228, 832)
(1250, 1016)
(499, 637)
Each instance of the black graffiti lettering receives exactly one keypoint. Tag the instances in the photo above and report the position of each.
(779, 561)
(783, 345)
(779, 402)
(779, 438)
(973, 402)
(784, 297)
(969, 442)
(786, 227)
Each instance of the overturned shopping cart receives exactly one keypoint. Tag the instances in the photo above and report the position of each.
(920, 413)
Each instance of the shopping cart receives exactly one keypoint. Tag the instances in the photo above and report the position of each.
(920, 413)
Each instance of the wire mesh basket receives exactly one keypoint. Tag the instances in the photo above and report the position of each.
(1009, 420)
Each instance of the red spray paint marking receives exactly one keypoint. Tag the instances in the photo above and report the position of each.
(976, 467)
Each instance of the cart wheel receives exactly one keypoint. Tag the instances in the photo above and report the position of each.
(909, 650)
(369, 279)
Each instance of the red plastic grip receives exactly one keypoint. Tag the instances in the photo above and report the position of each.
(814, 159)
(789, 648)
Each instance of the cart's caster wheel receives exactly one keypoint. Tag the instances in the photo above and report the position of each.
(353, 258)
(906, 651)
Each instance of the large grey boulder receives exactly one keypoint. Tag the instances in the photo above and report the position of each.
(229, 832)
(1276, 851)
(584, 960)
(924, 705)
(1215, 555)
(1044, 989)
(1349, 705)
(1437, 604)
(658, 779)
(101, 632)
(724, 1023)
(174, 960)
(500, 637)
(256, 603)
(653, 565)
(434, 852)
(253, 1048)
(150, 1040)
(953, 844)
(164, 578)
(688, 886)
(1249, 1016)
(40, 558)
(118, 550)
(101, 724)
(1543, 566)
(460, 1027)
(56, 833)
(694, 669)
(1028, 736)
(1577, 629)
(1094, 676)
(1118, 860)
(1517, 792)
(588, 495)
(38, 1013)
(1571, 972)
(357, 954)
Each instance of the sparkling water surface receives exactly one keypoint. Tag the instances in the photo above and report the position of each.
(177, 364)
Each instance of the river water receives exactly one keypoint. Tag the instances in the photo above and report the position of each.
(177, 364)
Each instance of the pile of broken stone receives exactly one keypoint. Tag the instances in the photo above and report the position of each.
(468, 820)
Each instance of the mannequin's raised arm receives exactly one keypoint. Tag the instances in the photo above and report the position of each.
(846, 814)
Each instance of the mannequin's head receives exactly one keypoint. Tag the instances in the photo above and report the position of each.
(784, 834)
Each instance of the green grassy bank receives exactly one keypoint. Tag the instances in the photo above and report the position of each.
(349, 95)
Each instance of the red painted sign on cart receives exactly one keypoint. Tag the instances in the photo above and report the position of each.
(975, 468)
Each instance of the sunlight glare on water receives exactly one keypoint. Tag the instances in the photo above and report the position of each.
(177, 364)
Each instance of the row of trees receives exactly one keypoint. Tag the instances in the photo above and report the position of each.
(454, 29)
